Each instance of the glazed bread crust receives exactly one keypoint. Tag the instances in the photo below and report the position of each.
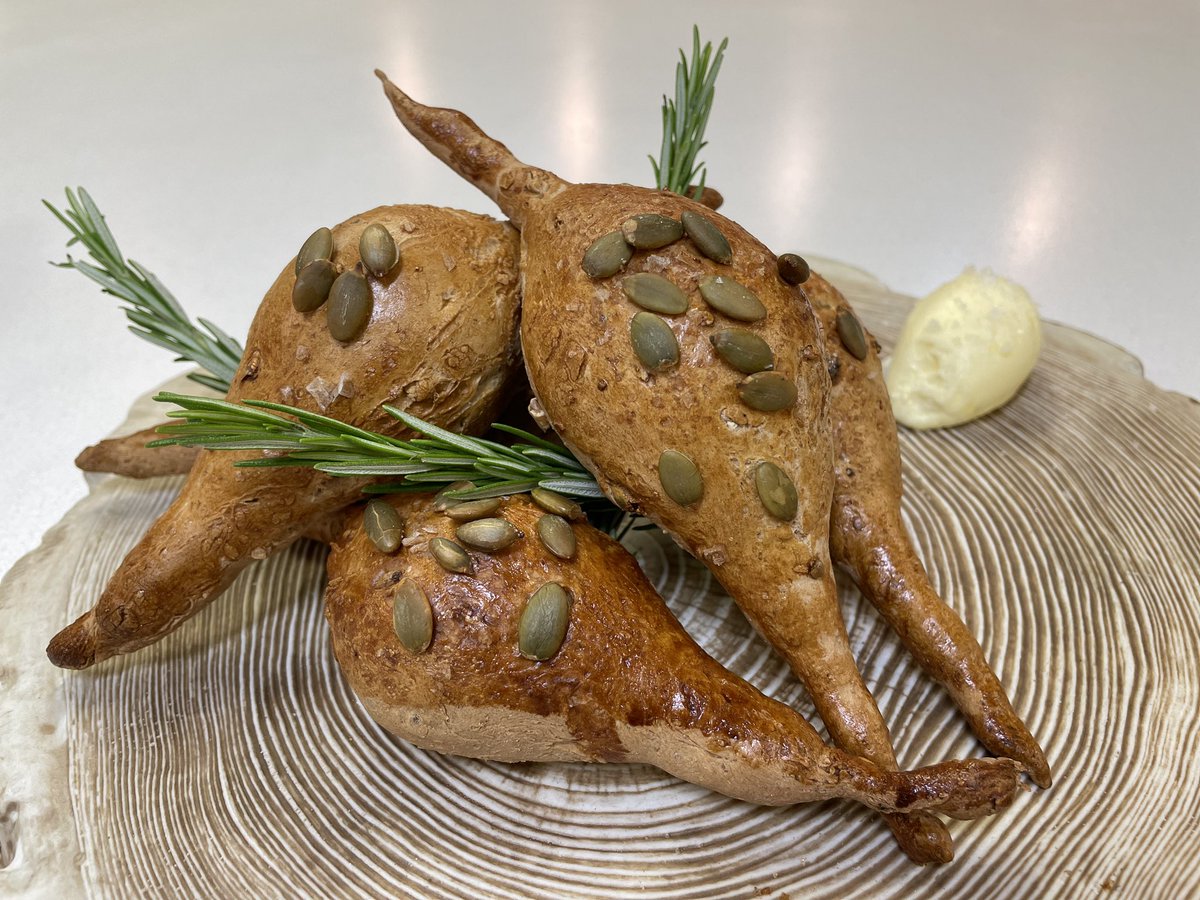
(441, 343)
(628, 683)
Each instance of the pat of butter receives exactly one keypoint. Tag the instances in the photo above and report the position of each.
(964, 351)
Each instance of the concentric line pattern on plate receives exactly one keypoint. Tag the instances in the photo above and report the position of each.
(230, 760)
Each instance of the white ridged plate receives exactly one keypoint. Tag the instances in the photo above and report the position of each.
(230, 760)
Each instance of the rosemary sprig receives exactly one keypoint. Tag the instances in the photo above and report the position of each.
(296, 437)
(685, 117)
(154, 313)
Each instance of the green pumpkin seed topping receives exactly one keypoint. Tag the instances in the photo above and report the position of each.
(312, 285)
(707, 238)
(793, 269)
(732, 299)
(489, 534)
(469, 510)
(383, 526)
(412, 616)
(776, 491)
(607, 256)
(654, 342)
(319, 245)
(442, 502)
(654, 293)
(768, 391)
(556, 503)
(377, 249)
(544, 620)
(349, 307)
(451, 557)
(680, 478)
(649, 231)
(851, 334)
(744, 350)
(557, 535)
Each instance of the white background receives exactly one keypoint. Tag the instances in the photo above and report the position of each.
(1057, 142)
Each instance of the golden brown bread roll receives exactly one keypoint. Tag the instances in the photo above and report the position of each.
(626, 683)
(441, 342)
(737, 466)
(870, 541)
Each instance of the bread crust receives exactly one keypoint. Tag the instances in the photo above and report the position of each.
(441, 343)
(628, 684)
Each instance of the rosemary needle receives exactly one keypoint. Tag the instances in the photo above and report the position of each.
(685, 117)
(154, 313)
(438, 457)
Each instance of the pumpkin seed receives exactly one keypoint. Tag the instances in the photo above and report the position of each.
(744, 350)
(607, 256)
(469, 510)
(653, 341)
(649, 231)
(558, 536)
(544, 620)
(349, 308)
(793, 269)
(776, 491)
(680, 478)
(489, 534)
(313, 284)
(707, 238)
(655, 293)
(441, 502)
(554, 502)
(377, 249)
(731, 298)
(851, 333)
(383, 526)
(319, 245)
(768, 391)
(412, 616)
(451, 557)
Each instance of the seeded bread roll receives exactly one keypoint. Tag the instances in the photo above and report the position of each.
(436, 658)
(737, 466)
(438, 339)
(870, 541)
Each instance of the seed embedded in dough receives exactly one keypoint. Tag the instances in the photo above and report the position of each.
(650, 231)
(544, 620)
(383, 526)
(489, 534)
(680, 477)
(377, 249)
(768, 392)
(851, 334)
(654, 342)
(349, 308)
(732, 298)
(707, 238)
(654, 293)
(451, 557)
(318, 245)
(469, 510)
(552, 501)
(776, 490)
(607, 255)
(412, 616)
(744, 350)
(312, 285)
(557, 535)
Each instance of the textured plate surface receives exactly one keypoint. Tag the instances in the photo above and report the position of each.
(231, 760)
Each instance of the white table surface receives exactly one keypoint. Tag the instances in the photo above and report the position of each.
(1058, 143)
